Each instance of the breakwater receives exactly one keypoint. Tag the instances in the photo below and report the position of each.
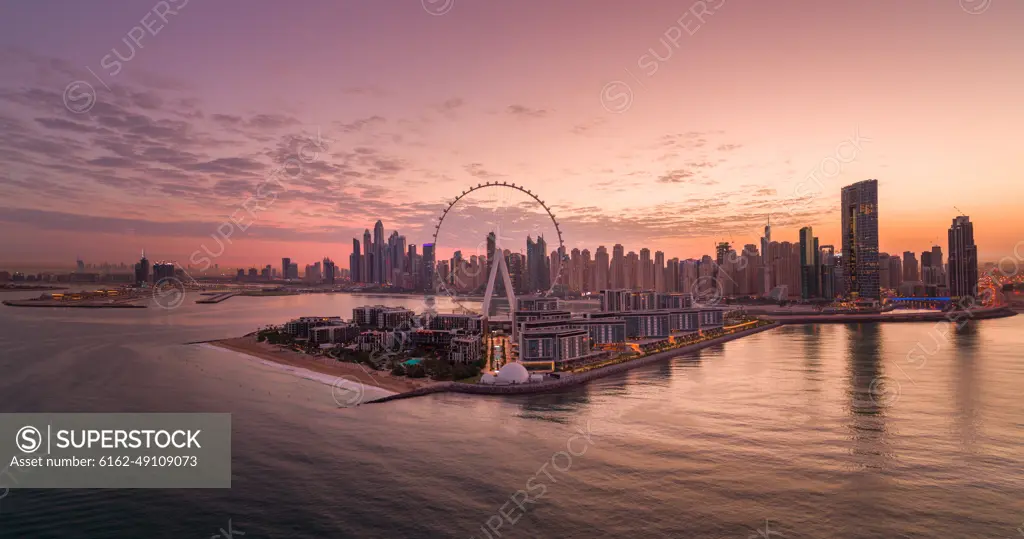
(70, 305)
(218, 297)
(936, 316)
(569, 379)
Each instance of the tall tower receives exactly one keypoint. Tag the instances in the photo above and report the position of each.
(860, 239)
(601, 269)
(428, 267)
(911, 272)
(536, 265)
(644, 274)
(355, 262)
(366, 269)
(963, 259)
(765, 259)
(659, 272)
(378, 253)
(142, 270)
(618, 266)
(810, 273)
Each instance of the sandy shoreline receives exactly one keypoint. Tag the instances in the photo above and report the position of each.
(322, 365)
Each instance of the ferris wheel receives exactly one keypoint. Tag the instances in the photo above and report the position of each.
(499, 264)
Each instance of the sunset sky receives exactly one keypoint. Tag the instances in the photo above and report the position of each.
(654, 123)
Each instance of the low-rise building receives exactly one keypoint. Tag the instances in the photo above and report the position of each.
(622, 300)
(614, 300)
(376, 341)
(545, 349)
(382, 317)
(610, 330)
(711, 319)
(466, 349)
(366, 315)
(472, 323)
(685, 320)
(441, 338)
(527, 316)
(335, 334)
(300, 327)
(536, 303)
(659, 324)
(640, 324)
(675, 301)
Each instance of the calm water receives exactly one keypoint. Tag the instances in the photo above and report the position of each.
(803, 431)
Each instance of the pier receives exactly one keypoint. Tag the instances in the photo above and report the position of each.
(217, 298)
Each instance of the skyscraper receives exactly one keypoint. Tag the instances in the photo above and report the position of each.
(630, 274)
(429, 266)
(355, 262)
(556, 266)
(860, 239)
(827, 257)
(398, 254)
(601, 268)
(931, 267)
(722, 252)
(884, 271)
(718, 273)
(412, 264)
(910, 269)
(644, 274)
(329, 272)
(895, 272)
(963, 259)
(765, 259)
(142, 269)
(927, 269)
(285, 264)
(659, 272)
(366, 268)
(379, 275)
(538, 268)
(574, 275)
(586, 271)
(618, 266)
(810, 271)
(516, 272)
(672, 275)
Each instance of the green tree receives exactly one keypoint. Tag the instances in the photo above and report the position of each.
(417, 371)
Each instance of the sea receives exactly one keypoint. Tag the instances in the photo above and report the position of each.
(905, 430)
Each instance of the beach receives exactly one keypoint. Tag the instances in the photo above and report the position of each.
(322, 365)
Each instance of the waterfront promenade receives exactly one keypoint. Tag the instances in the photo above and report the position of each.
(570, 379)
(894, 316)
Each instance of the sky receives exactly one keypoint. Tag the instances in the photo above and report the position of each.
(245, 131)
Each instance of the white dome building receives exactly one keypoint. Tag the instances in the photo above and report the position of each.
(513, 373)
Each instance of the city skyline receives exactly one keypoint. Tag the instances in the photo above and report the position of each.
(594, 249)
(486, 269)
(152, 165)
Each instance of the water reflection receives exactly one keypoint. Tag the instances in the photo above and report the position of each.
(552, 406)
(965, 380)
(870, 393)
(812, 336)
